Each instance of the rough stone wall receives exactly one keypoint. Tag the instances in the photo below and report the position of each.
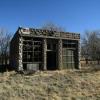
(44, 54)
(60, 54)
(20, 67)
(14, 47)
(79, 55)
(48, 33)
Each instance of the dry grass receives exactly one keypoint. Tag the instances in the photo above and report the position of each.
(55, 85)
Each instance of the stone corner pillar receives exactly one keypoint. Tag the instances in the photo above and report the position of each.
(44, 55)
(79, 55)
(60, 66)
(20, 60)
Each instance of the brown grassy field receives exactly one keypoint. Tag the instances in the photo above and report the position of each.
(51, 85)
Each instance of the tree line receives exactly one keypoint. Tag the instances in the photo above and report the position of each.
(5, 38)
(90, 46)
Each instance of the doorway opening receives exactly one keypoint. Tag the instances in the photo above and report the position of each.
(51, 54)
(51, 60)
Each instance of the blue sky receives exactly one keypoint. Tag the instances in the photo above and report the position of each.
(73, 15)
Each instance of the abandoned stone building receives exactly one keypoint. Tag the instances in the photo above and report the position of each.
(37, 49)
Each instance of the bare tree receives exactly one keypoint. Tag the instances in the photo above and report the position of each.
(52, 27)
(4, 46)
(90, 47)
